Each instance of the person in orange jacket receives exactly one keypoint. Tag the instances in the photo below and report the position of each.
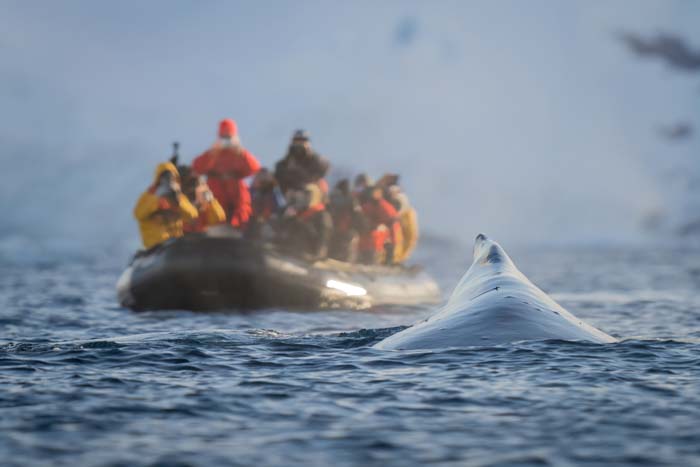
(226, 165)
(377, 242)
(163, 209)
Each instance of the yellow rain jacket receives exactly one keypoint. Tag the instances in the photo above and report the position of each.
(214, 213)
(210, 213)
(409, 228)
(160, 219)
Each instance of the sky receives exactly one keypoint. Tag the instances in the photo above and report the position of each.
(528, 121)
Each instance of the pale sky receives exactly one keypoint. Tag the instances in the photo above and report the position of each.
(524, 120)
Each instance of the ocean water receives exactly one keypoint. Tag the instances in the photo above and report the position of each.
(84, 382)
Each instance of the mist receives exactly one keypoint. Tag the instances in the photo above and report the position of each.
(529, 123)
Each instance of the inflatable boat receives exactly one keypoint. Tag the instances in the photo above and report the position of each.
(220, 270)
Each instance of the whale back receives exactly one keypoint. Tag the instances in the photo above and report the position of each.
(494, 303)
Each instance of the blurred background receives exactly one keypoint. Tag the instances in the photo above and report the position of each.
(535, 122)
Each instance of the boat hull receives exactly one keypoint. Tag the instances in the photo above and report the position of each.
(200, 272)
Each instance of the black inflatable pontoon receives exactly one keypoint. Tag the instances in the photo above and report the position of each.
(220, 270)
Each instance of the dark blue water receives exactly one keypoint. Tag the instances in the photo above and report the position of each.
(83, 382)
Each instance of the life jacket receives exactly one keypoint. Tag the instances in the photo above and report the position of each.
(383, 226)
(311, 211)
(374, 240)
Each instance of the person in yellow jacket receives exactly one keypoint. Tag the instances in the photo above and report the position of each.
(163, 208)
(409, 224)
(210, 211)
(198, 193)
(408, 219)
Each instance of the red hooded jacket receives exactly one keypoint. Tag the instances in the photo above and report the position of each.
(226, 167)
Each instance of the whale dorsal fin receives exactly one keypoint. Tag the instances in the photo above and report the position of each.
(486, 251)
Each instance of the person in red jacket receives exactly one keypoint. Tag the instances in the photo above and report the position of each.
(376, 244)
(226, 165)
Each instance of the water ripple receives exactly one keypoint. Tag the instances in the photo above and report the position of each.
(83, 382)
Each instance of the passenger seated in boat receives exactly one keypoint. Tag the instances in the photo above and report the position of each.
(348, 223)
(198, 193)
(163, 209)
(301, 166)
(210, 211)
(268, 203)
(360, 185)
(306, 226)
(377, 244)
(408, 219)
(226, 165)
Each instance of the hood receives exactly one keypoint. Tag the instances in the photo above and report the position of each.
(165, 167)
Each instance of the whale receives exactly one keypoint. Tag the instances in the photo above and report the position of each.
(494, 304)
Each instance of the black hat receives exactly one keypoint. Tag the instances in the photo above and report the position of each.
(302, 135)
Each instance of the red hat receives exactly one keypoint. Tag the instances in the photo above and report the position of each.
(227, 128)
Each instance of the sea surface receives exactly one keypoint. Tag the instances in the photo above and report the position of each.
(84, 382)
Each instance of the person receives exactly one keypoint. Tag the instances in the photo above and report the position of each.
(226, 165)
(301, 166)
(361, 183)
(386, 181)
(266, 196)
(198, 193)
(267, 203)
(210, 211)
(163, 209)
(377, 242)
(408, 220)
(306, 225)
(348, 222)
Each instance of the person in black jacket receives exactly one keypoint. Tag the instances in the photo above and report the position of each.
(306, 226)
(349, 223)
(301, 166)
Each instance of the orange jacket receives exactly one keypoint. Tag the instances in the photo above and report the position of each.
(311, 211)
(225, 168)
(383, 225)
